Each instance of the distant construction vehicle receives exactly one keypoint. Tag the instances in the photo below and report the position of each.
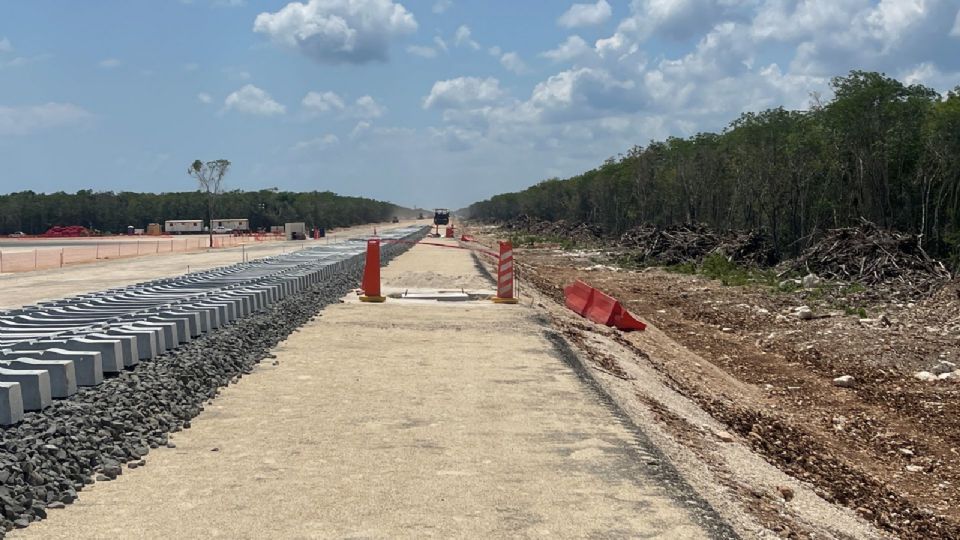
(441, 216)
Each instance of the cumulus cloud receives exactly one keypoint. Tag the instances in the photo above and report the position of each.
(6, 46)
(30, 119)
(319, 143)
(442, 5)
(456, 139)
(512, 62)
(338, 31)
(110, 63)
(571, 49)
(585, 15)
(463, 38)
(463, 91)
(422, 51)
(367, 107)
(253, 100)
(322, 102)
(204, 98)
(364, 107)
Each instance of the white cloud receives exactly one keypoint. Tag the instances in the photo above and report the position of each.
(571, 49)
(338, 31)
(456, 139)
(955, 31)
(462, 38)
(359, 129)
(253, 100)
(442, 5)
(367, 107)
(204, 98)
(441, 44)
(364, 107)
(6, 46)
(512, 62)
(321, 103)
(495, 51)
(110, 63)
(585, 15)
(191, 66)
(463, 91)
(30, 119)
(319, 143)
(422, 51)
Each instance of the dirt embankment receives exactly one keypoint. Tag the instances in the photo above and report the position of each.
(884, 444)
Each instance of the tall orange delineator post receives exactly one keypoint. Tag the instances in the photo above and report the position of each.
(505, 275)
(371, 273)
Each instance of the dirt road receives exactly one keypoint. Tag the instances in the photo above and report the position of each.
(404, 419)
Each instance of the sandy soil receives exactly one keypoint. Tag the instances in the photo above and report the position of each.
(25, 288)
(404, 419)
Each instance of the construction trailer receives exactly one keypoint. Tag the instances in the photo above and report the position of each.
(295, 231)
(183, 226)
(231, 224)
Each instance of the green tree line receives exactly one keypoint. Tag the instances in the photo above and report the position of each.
(34, 213)
(880, 149)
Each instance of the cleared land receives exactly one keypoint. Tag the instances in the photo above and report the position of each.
(25, 288)
(405, 419)
(750, 373)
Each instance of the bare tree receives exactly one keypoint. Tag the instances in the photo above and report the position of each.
(210, 177)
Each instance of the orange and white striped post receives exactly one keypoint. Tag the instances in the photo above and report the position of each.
(505, 275)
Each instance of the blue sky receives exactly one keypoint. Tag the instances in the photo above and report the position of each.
(428, 102)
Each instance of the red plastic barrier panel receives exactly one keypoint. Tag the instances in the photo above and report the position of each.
(577, 297)
(467, 238)
(602, 309)
(599, 307)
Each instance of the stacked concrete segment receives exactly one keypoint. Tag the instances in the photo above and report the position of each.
(49, 349)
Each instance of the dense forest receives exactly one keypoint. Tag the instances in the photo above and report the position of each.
(34, 213)
(880, 150)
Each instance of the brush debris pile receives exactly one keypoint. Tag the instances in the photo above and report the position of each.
(691, 243)
(872, 256)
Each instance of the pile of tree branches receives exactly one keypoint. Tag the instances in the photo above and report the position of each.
(582, 232)
(691, 243)
(872, 256)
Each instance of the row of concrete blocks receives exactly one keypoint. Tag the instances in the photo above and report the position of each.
(48, 352)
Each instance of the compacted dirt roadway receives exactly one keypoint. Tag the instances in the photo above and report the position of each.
(412, 418)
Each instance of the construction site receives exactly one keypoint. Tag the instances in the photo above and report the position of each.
(428, 378)
(377, 269)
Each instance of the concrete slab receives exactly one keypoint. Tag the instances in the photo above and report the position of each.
(34, 386)
(11, 403)
(63, 374)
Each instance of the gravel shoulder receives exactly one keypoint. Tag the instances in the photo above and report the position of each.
(443, 419)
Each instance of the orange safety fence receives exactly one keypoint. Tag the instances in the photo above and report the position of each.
(53, 257)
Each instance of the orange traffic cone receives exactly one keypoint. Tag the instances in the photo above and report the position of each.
(371, 273)
(505, 275)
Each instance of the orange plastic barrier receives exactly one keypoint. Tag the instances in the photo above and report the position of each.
(371, 273)
(505, 275)
(577, 297)
(599, 307)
